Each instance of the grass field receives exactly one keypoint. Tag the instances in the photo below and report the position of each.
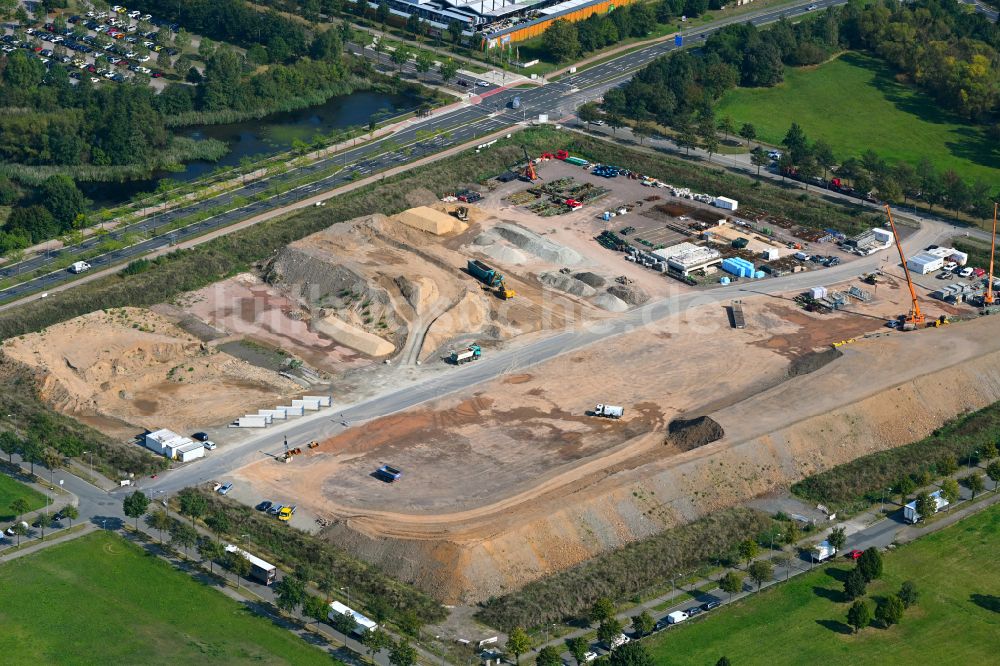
(855, 103)
(100, 600)
(956, 621)
(10, 490)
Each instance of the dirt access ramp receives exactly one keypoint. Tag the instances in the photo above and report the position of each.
(127, 369)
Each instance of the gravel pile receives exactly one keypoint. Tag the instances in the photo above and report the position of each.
(593, 279)
(629, 293)
(534, 244)
(567, 283)
(610, 303)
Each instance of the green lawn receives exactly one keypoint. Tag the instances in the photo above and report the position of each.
(10, 490)
(855, 103)
(100, 600)
(956, 621)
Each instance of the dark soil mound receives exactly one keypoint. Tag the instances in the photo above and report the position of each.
(813, 361)
(687, 434)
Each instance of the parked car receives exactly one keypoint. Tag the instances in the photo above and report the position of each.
(275, 508)
(694, 610)
(224, 490)
(950, 266)
(210, 445)
(965, 272)
(264, 506)
(855, 554)
(200, 436)
(710, 605)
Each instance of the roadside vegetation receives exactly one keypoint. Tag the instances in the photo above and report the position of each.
(385, 597)
(17, 498)
(930, 603)
(630, 571)
(967, 439)
(138, 610)
(943, 72)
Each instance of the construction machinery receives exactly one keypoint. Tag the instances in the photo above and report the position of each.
(915, 318)
(462, 213)
(471, 353)
(988, 298)
(529, 171)
(875, 277)
(492, 278)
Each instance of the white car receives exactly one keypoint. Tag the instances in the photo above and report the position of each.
(143, 58)
(965, 272)
(950, 266)
(812, 8)
(144, 70)
(589, 656)
(118, 9)
(135, 13)
(145, 17)
(94, 79)
(210, 445)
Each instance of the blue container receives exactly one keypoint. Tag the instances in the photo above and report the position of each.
(724, 280)
(759, 275)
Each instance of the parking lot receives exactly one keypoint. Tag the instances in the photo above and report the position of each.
(113, 46)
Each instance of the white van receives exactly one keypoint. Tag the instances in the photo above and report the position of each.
(79, 267)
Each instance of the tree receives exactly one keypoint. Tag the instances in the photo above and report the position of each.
(859, 615)
(759, 158)
(989, 451)
(193, 504)
(549, 656)
(63, 199)
(239, 565)
(643, 623)
(454, 31)
(43, 520)
(160, 521)
(975, 483)
(448, 69)
(20, 507)
(925, 505)
(578, 646)
(748, 132)
(71, 513)
(609, 630)
(993, 470)
(732, 583)
(615, 122)
(823, 154)
(183, 535)
(748, 549)
(949, 490)
(904, 487)
(837, 538)
(518, 642)
(795, 141)
(317, 608)
(402, 654)
(631, 654)
(727, 125)
(289, 592)
(908, 593)
(211, 550)
(182, 39)
(20, 530)
(723, 661)
(561, 40)
(603, 609)
(870, 564)
(643, 130)
(425, 60)
(374, 640)
(400, 56)
(589, 112)
(947, 465)
(710, 142)
(855, 584)
(760, 572)
(135, 506)
(31, 450)
(890, 611)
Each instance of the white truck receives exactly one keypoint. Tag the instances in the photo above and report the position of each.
(676, 617)
(609, 411)
(79, 267)
(823, 551)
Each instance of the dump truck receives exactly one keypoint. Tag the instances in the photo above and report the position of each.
(609, 411)
(470, 353)
(480, 271)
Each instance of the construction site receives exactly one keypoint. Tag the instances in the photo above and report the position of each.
(616, 356)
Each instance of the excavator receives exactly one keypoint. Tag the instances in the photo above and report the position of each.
(915, 318)
(502, 291)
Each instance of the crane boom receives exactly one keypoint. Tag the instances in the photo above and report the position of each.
(916, 317)
(993, 247)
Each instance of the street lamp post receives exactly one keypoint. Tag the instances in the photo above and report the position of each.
(972, 453)
(348, 591)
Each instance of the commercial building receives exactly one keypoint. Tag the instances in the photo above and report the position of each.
(924, 263)
(362, 623)
(175, 447)
(694, 259)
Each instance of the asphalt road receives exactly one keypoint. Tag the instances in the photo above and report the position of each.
(464, 124)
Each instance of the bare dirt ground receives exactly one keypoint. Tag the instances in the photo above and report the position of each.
(522, 450)
(128, 369)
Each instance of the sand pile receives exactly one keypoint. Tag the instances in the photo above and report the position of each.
(630, 293)
(567, 283)
(534, 244)
(352, 336)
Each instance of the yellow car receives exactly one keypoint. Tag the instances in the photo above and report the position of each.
(286, 513)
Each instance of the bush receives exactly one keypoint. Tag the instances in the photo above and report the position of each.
(622, 573)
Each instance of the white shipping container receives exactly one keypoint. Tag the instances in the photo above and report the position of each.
(250, 421)
(726, 203)
(924, 263)
(772, 254)
(818, 292)
(324, 400)
(292, 410)
(960, 258)
(311, 405)
(273, 414)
